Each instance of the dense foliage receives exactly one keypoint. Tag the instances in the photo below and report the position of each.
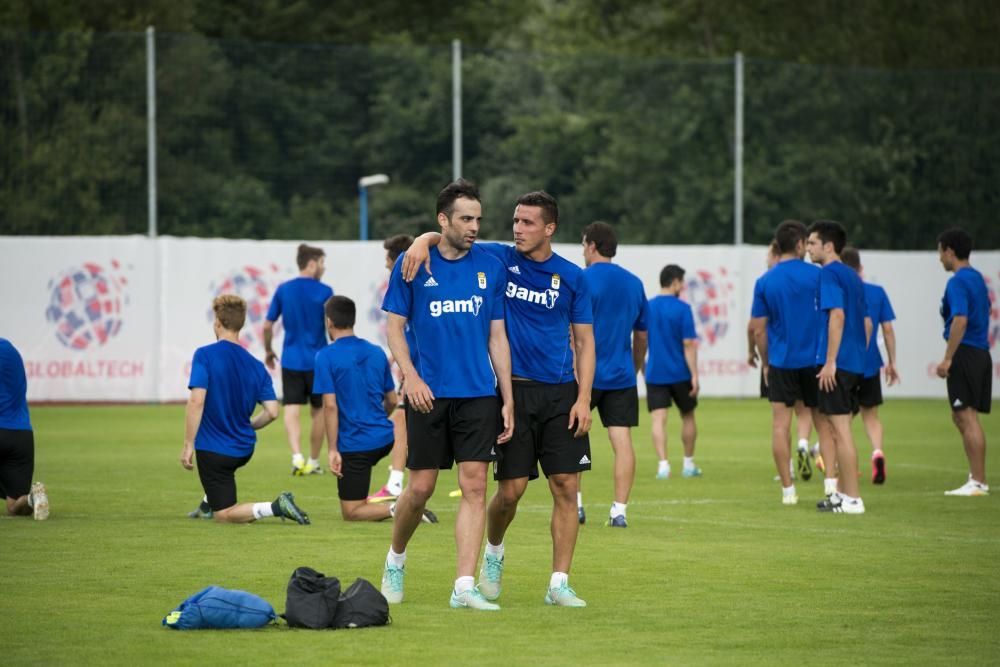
(883, 115)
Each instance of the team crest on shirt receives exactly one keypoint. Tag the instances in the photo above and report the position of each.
(555, 281)
(481, 276)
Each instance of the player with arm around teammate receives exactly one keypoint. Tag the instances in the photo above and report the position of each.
(219, 425)
(546, 299)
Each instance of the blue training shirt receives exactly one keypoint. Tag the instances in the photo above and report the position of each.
(299, 303)
(786, 296)
(358, 373)
(880, 310)
(450, 311)
(966, 295)
(620, 307)
(13, 389)
(840, 287)
(235, 382)
(671, 322)
(543, 299)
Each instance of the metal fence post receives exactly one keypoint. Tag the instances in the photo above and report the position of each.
(456, 108)
(151, 126)
(738, 154)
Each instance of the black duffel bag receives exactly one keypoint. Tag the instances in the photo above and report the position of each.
(360, 606)
(312, 599)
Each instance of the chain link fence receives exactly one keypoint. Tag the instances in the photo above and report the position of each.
(263, 140)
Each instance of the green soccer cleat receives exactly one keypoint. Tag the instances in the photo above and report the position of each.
(691, 472)
(287, 509)
(489, 577)
(197, 513)
(472, 599)
(392, 583)
(563, 596)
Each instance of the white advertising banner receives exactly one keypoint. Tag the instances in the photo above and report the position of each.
(118, 318)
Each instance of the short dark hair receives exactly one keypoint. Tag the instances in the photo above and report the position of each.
(958, 240)
(603, 236)
(830, 231)
(397, 245)
(669, 274)
(788, 234)
(457, 189)
(544, 201)
(341, 311)
(851, 257)
(306, 254)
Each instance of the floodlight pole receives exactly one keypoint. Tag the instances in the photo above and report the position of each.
(151, 127)
(456, 109)
(364, 183)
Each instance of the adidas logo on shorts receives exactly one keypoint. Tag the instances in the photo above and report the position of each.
(957, 403)
(430, 282)
(585, 459)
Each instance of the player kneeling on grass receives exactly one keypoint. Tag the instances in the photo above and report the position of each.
(226, 384)
(17, 441)
(355, 380)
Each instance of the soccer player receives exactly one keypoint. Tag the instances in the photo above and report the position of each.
(672, 369)
(620, 310)
(870, 390)
(967, 364)
(17, 441)
(394, 247)
(456, 310)
(786, 330)
(355, 381)
(546, 300)
(299, 304)
(226, 385)
(844, 332)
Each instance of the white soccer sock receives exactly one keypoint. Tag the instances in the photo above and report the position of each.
(463, 584)
(829, 485)
(313, 462)
(618, 509)
(803, 443)
(877, 453)
(395, 559)
(788, 490)
(494, 550)
(262, 510)
(298, 461)
(395, 483)
(579, 499)
(392, 510)
(558, 579)
(664, 465)
(689, 462)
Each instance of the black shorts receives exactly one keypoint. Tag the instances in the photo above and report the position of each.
(659, 396)
(542, 433)
(617, 407)
(788, 385)
(17, 462)
(870, 392)
(297, 388)
(843, 400)
(455, 430)
(218, 477)
(970, 380)
(356, 469)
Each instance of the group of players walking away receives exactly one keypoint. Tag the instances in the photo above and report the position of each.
(517, 346)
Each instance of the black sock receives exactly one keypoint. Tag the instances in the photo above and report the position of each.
(276, 508)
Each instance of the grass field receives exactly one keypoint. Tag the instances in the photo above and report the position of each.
(711, 570)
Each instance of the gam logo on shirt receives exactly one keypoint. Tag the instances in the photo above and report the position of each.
(546, 298)
(470, 305)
